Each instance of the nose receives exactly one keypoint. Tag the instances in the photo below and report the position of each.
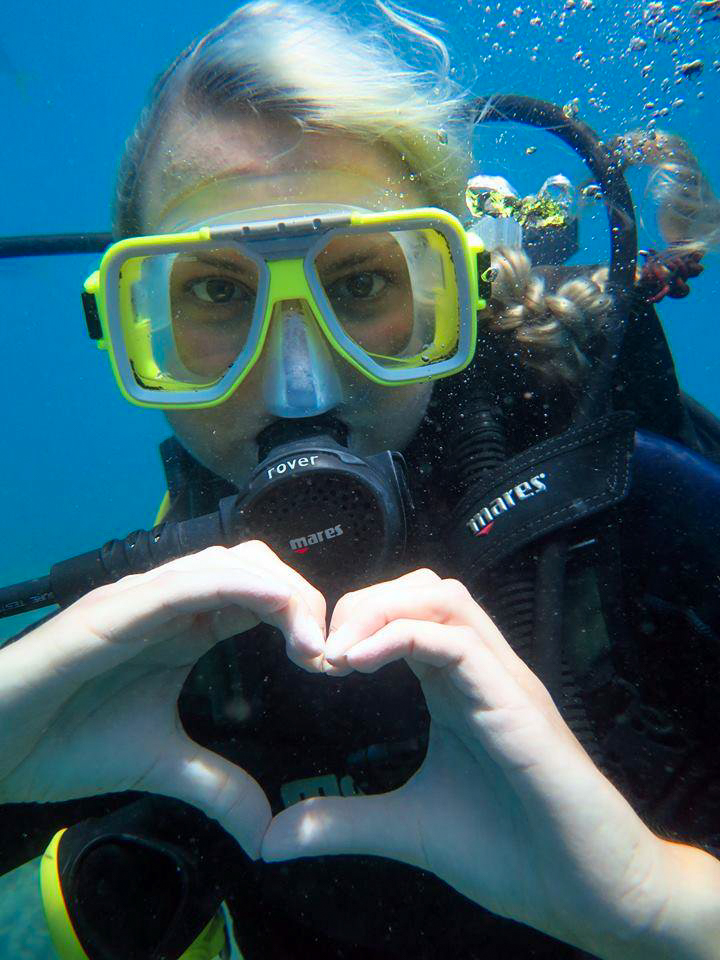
(298, 370)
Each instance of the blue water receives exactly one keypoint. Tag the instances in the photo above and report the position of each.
(78, 462)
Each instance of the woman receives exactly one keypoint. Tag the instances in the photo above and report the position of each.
(506, 806)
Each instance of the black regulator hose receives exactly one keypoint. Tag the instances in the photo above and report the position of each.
(549, 117)
(138, 552)
(339, 518)
(26, 597)
(49, 244)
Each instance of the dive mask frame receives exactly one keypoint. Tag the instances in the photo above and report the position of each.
(284, 251)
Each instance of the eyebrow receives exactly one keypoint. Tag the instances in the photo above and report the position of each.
(359, 259)
(351, 260)
(234, 265)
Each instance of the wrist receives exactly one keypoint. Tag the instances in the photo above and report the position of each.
(691, 921)
(686, 925)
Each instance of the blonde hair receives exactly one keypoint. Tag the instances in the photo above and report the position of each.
(548, 331)
(293, 59)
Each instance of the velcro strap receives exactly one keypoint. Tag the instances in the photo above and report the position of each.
(549, 486)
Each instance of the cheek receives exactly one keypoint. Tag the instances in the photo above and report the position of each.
(395, 413)
(218, 428)
(199, 431)
(206, 352)
(389, 335)
(414, 405)
(211, 435)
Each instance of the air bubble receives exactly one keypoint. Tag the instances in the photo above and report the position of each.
(692, 68)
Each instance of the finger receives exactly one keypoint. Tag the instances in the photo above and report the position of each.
(322, 826)
(94, 637)
(421, 641)
(256, 551)
(222, 790)
(444, 601)
(473, 667)
(304, 646)
(306, 610)
(258, 557)
(252, 555)
(340, 635)
(311, 595)
(515, 727)
(348, 604)
(305, 642)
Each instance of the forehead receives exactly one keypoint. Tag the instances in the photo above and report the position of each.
(276, 160)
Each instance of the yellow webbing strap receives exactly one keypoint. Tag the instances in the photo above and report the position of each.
(62, 934)
(210, 942)
(162, 509)
(67, 946)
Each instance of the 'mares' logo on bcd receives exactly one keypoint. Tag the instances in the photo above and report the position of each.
(481, 523)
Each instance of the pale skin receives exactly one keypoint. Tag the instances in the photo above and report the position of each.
(507, 807)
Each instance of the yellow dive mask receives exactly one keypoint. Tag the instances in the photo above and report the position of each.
(186, 316)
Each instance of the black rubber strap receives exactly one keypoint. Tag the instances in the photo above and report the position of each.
(552, 485)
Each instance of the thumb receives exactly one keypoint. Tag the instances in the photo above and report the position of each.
(222, 790)
(377, 825)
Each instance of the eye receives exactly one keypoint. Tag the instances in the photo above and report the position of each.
(359, 286)
(220, 290)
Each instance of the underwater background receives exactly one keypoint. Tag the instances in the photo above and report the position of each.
(79, 464)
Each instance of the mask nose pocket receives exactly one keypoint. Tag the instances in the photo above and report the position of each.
(299, 374)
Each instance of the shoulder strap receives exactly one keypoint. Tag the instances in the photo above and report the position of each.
(646, 381)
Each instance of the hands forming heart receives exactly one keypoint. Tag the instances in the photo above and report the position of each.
(507, 807)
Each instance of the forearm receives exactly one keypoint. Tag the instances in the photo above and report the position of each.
(688, 926)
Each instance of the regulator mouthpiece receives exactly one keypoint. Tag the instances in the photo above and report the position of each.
(339, 519)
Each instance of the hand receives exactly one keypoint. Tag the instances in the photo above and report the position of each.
(88, 700)
(507, 807)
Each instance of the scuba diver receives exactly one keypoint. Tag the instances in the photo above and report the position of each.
(420, 656)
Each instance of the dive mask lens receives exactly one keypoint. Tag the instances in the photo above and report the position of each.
(392, 297)
(188, 316)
